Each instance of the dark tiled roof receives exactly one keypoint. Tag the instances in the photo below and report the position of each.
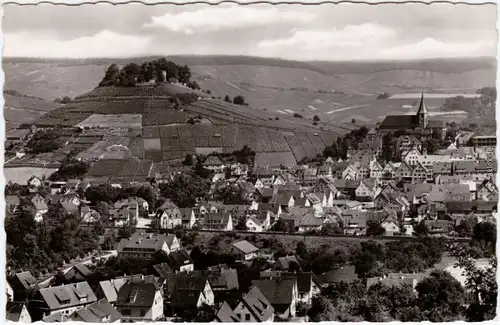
(99, 312)
(14, 310)
(66, 296)
(163, 270)
(284, 262)
(226, 314)
(136, 295)
(258, 305)
(399, 122)
(179, 258)
(277, 291)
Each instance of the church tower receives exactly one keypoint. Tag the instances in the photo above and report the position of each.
(422, 115)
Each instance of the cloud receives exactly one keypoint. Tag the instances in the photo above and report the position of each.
(432, 48)
(228, 17)
(102, 44)
(351, 35)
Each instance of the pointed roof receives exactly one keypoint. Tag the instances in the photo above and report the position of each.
(422, 109)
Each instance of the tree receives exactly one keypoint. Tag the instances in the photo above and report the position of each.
(188, 161)
(441, 296)
(297, 115)
(388, 146)
(301, 250)
(184, 189)
(242, 224)
(374, 228)
(230, 194)
(101, 192)
(481, 285)
(432, 146)
(353, 121)
(321, 310)
(239, 100)
(485, 234)
(316, 118)
(111, 75)
(421, 229)
(227, 98)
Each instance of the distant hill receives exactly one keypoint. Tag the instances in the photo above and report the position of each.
(20, 108)
(335, 91)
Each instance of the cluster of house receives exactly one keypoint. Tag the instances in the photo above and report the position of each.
(174, 289)
(66, 194)
(169, 290)
(350, 195)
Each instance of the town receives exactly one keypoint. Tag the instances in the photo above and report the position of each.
(219, 237)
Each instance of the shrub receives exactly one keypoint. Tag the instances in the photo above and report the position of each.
(239, 100)
(297, 115)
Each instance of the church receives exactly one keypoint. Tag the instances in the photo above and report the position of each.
(418, 124)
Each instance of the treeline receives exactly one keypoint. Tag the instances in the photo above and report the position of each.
(45, 246)
(159, 70)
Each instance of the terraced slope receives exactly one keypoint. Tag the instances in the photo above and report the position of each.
(202, 127)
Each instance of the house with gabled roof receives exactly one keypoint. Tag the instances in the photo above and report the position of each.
(244, 250)
(64, 299)
(411, 157)
(396, 279)
(22, 284)
(216, 221)
(225, 314)
(77, 273)
(214, 164)
(138, 302)
(487, 191)
(41, 206)
(367, 189)
(346, 186)
(146, 245)
(168, 215)
(281, 294)
(188, 217)
(376, 170)
(404, 173)
(17, 312)
(34, 183)
(355, 222)
(101, 311)
(308, 284)
(188, 291)
(254, 307)
(180, 261)
(12, 202)
(287, 263)
(350, 172)
(108, 289)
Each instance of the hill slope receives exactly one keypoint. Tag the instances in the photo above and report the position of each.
(156, 131)
(21, 109)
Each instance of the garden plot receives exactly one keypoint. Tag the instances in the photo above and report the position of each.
(152, 144)
(264, 159)
(112, 121)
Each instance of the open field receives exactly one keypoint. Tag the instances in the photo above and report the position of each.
(22, 109)
(21, 175)
(112, 121)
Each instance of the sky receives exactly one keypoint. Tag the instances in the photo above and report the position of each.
(295, 32)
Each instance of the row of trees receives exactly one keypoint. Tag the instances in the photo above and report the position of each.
(159, 70)
(43, 247)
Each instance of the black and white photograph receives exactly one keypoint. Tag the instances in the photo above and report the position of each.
(250, 162)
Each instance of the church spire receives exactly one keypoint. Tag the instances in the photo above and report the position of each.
(422, 114)
(422, 109)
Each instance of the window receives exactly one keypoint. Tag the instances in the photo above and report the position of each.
(143, 312)
(126, 312)
(247, 316)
